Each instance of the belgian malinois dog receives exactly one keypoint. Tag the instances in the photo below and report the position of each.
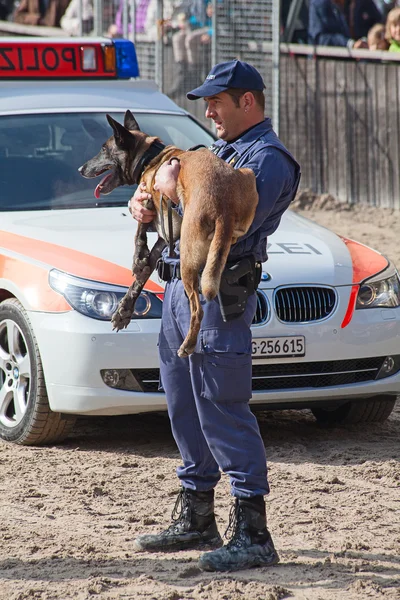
(218, 202)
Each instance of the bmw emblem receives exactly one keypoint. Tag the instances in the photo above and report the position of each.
(265, 276)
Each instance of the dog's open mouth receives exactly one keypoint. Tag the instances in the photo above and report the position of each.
(102, 187)
(108, 183)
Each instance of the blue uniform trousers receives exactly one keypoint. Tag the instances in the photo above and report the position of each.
(208, 397)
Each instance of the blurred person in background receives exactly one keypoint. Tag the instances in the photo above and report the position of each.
(6, 9)
(189, 42)
(341, 23)
(361, 16)
(145, 20)
(376, 38)
(71, 20)
(393, 29)
(40, 12)
(385, 6)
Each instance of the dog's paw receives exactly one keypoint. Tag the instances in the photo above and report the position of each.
(140, 267)
(141, 258)
(119, 321)
(185, 351)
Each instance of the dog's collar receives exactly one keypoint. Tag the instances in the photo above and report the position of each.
(154, 150)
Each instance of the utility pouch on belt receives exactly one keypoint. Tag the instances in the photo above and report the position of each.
(167, 271)
(163, 270)
(239, 280)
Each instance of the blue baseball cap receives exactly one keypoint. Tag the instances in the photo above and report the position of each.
(232, 74)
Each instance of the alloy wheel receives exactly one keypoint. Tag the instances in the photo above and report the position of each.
(15, 374)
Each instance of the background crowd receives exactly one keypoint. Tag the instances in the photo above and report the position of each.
(355, 24)
(373, 24)
(187, 25)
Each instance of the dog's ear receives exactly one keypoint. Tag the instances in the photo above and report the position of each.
(130, 122)
(121, 134)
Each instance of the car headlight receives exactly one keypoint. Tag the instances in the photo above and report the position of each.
(380, 291)
(100, 300)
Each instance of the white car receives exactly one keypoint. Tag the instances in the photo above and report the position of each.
(327, 329)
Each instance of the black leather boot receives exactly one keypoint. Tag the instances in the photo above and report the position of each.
(193, 527)
(251, 544)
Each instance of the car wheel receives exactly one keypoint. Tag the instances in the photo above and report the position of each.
(25, 415)
(371, 410)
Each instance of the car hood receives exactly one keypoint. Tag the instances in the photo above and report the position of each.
(301, 251)
(98, 244)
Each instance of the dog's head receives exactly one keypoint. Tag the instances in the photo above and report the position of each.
(120, 156)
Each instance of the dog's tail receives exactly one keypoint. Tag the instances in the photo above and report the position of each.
(216, 259)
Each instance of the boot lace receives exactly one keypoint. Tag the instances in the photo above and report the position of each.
(234, 532)
(181, 511)
(233, 518)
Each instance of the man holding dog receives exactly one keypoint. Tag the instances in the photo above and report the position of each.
(208, 393)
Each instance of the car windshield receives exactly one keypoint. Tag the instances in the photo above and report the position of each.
(40, 156)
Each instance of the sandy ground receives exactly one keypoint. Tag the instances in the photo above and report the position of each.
(69, 513)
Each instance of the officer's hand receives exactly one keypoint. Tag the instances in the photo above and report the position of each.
(166, 178)
(136, 208)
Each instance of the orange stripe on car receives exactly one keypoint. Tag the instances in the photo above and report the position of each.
(366, 263)
(33, 282)
(26, 275)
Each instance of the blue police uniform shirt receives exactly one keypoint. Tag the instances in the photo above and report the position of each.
(277, 179)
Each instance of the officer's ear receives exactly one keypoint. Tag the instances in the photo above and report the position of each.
(248, 101)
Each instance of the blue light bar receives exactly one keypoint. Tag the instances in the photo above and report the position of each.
(127, 63)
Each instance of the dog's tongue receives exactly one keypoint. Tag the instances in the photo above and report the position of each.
(99, 186)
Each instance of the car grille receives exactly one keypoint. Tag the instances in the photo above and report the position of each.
(292, 375)
(304, 304)
(262, 312)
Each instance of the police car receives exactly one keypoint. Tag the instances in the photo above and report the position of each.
(327, 328)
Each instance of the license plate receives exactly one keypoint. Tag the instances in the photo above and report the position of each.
(279, 346)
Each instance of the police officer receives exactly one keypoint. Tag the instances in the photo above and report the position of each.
(208, 393)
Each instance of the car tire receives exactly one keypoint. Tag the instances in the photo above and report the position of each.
(371, 410)
(25, 414)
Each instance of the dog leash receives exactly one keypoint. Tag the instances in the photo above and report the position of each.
(170, 237)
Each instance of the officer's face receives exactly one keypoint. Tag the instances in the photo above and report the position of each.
(228, 118)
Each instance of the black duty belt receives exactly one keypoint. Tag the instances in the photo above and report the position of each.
(239, 281)
(167, 271)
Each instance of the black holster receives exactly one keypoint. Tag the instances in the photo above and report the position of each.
(239, 280)
(168, 271)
